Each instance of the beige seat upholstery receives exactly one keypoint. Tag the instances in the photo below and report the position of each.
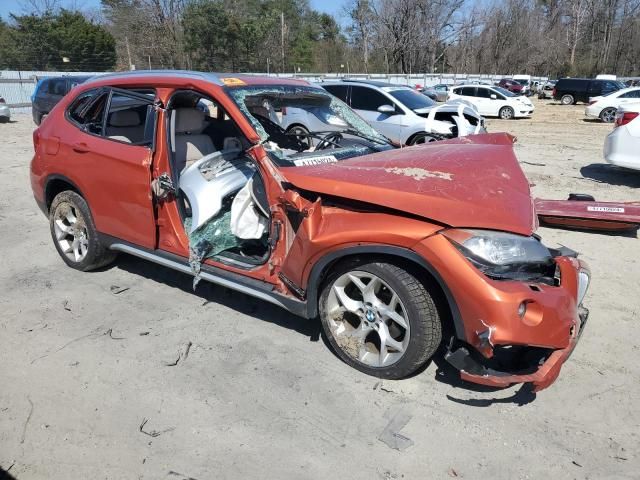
(189, 143)
(125, 125)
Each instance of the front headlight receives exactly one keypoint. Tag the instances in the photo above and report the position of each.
(583, 285)
(504, 255)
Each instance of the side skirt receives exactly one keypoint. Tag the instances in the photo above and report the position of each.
(234, 281)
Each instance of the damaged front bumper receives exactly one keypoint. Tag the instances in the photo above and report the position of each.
(541, 371)
(511, 331)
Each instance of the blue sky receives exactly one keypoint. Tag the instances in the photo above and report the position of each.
(7, 6)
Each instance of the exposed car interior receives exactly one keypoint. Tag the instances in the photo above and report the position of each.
(334, 131)
(220, 193)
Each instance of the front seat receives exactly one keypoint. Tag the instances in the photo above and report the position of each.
(189, 143)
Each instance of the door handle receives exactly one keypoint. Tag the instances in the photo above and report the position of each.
(80, 147)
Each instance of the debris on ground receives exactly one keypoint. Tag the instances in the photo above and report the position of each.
(181, 475)
(26, 422)
(110, 334)
(183, 353)
(66, 306)
(391, 434)
(152, 433)
(116, 290)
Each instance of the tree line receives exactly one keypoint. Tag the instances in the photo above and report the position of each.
(539, 37)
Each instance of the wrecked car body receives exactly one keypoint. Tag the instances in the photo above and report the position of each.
(396, 250)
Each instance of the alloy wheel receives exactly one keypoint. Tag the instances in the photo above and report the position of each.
(367, 319)
(608, 115)
(71, 232)
(506, 113)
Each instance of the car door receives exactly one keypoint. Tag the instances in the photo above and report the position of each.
(366, 101)
(632, 96)
(110, 150)
(485, 103)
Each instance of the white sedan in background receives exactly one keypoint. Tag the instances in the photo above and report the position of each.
(493, 101)
(622, 146)
(604, 107)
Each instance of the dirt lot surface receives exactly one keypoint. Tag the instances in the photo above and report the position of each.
(90, 387)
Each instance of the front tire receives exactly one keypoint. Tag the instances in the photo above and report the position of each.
(567, 100)
(74, 233)
(608, 115)
(379, 319)
(422, 137)
(506, 113)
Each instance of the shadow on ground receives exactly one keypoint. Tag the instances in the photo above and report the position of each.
(606, 173)
(5, 475)
(211, 293)
(261, 310)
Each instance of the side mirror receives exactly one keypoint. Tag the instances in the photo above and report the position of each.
(387, 109)
(494, 96)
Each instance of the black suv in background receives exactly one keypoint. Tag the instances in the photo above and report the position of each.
(50, 91)
(572, 90)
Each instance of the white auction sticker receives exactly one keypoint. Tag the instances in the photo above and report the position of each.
(606, 209)
(306, 162)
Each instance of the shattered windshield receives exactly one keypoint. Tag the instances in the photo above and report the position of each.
(305, 125)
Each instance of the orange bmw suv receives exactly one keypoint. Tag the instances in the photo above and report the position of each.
(396, 250)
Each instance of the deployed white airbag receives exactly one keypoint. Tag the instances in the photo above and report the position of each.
(212, 178)
(247, 222)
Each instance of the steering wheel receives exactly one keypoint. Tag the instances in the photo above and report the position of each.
(332, 139)
(277, 134)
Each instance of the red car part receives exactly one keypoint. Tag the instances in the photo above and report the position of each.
(589, 214)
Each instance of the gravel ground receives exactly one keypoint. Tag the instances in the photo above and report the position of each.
(88, 390)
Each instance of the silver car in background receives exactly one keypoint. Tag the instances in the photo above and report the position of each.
(404, 115)
(5, 112)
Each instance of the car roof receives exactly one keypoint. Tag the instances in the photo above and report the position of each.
(373, 83)
(61, 77)
(625, 90)
(178, 76)
(474, 85)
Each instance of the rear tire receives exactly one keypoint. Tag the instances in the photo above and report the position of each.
(506, 113)
(567, 100)
(74, 233)
(379, 319)
(608, 115)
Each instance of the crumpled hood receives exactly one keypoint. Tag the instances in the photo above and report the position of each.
(472, 181)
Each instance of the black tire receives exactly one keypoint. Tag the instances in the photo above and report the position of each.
(608, 115)
(507, 113)
(422, 137)
(37, 118)
(418, 308)
(567, 99)
(96, 255)
(4, 119)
